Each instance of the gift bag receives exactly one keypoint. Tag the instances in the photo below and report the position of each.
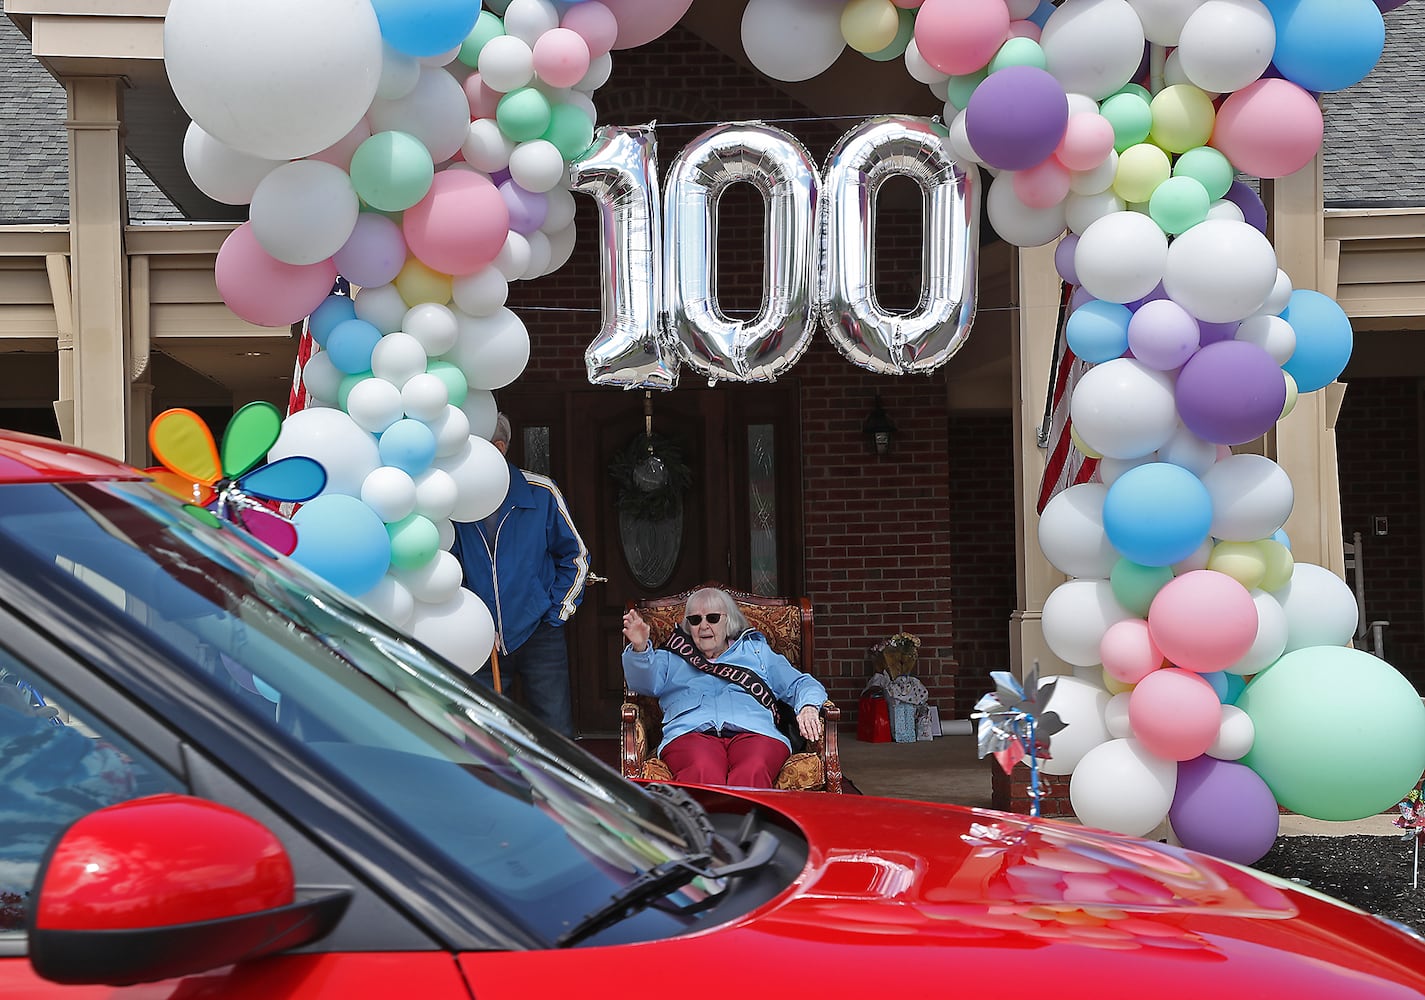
(903, 722)
(873, 722)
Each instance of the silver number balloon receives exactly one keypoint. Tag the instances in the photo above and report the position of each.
(778, 166)
(862, 160)
(620, 171)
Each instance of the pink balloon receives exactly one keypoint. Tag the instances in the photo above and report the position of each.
(263, 290)
(1269, 128)
(374, 253)
(483, 100)
(641, 21)
(1088, 138)
(339, 153)
(460, 225)
(1128, 651)
(1203, 621)
(960, 36)
(595, 23)
(1025, 29)
(1043, 185)
(1174, 714)
(561, 57)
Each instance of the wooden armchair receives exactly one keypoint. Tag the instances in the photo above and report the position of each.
(787, 624)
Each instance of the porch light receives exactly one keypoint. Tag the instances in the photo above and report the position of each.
(878, 428)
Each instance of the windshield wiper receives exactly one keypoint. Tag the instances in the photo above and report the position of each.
(661, 880)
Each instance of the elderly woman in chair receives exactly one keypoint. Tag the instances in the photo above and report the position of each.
(718, 682)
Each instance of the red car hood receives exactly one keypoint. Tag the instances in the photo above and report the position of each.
(991, 904)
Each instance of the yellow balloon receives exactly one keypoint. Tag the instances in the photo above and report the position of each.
(1114, 685)
(418, 283)
(1079, 443)
(1279, 563)
(1291, 395)
(1141, 168)
(870, 25)
(1183, 117)
(1244, 562)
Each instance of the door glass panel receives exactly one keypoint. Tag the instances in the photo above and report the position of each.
(762, 507)
(536, 450)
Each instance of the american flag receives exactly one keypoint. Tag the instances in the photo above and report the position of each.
(1064, 465)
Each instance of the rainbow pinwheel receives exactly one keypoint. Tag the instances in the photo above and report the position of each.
(1412, 822)
(232, 484)
(1015, 724)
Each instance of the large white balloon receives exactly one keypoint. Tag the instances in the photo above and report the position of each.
(492, 350)
(1121, 257)
(1226, 44)
(381, 306)
(1251, 495)
(1124, 409)
(1075, 617)
(482, 411)
(792, 40)
(269, 77)
(1016, 222)
(436, 582)
(482, 478)
(1093, 47)
(390, 601)
(221, 172)
(1120, 786)
(460, 629)
(436, 112)
(304, 211)
(1220, 271)
(1320, 608)
(1163, 19)
(1083, 707)
(1071, 532)
(347, 452)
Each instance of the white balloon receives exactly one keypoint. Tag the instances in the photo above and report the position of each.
(1280, 295)
(1226, 44)
(538, 255)
(1320, 608)
(1120, 786)
(600, 69)
(918, 68)
(399, 74)
(1124, 409)
(1270, 641)
(1223, 210)
(528, 19)
(436, 582)
(1235, 735)
(1093, 47)
(436, 496)
(1071, 532)
(1083, 708)
(1271, 333)
(481, 293)
(446, 530)
(1121, 257)
(1109, 469)
(560, 209)
(390, 492)
(1219, 271)
(347, 452)
(390, 601)
(482, 478)
(424, 397)
(486, 147)
(1016, 222)
(1163, 19)
(451, 429)
(482, 411)
(433, 326)
(1186, 450)
(792, 40)
(436, 112)
(491, 351)
(374, 404)
(537, 165)
(513, 259)
(1075, 617)
(959, 141)
(1252, 497)
(381, 306)
(561, 247)
(272, 78)
(1115, 716)
(321, 377)
(1198, 559)
(221, 172)
(506, 63)
(1094, 181)
(304, 211)
(1083, 210)
(397, 358)
(459, 629)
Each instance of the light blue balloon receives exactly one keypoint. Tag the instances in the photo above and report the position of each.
(408, 445)
(1236, 683)
(350, 345)
(1157, 514)
(334, 309)
(1324, 45)
(343, 541)
(1219, 682)
(1040, 16)
(1323, 339)
(1097, 331)
(428, 28)
(1280, 535)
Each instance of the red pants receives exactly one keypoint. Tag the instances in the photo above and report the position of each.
(747, 760)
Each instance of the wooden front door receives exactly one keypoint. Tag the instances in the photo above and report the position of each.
(741, 516)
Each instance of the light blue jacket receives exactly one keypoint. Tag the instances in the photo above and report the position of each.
(692, 699)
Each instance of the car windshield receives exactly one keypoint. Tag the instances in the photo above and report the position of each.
(525, 818)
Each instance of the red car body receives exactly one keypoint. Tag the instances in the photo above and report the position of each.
(257, 871)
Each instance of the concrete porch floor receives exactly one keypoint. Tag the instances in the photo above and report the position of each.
(945, 769)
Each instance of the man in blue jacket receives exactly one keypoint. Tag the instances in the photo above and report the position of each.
(528, 564)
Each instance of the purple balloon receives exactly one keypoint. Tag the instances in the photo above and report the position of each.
(1016, 117)
(1211, 333)
(527, 208)
(1230, 392)
(374, 253)
(1224, 809)
(1254, 213)
(1386, 6)
(1064, 258)
(1163, 335)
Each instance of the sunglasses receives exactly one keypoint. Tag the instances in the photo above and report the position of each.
(713, 618)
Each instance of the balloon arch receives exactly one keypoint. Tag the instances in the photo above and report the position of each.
(428, 152)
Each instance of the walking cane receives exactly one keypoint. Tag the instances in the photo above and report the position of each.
(495, 668)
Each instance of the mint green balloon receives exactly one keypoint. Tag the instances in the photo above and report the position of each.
(1178, 204)
(959, 88)
(1135, 585)
(453, 378)
(1019, 51)
(1131, 118)
(344, 387)
(904, 33)
(1340, 734)
(523, 114)
(1136, 89)
(414, 541)
(391, 171)
(570, 130)
(487, 26)
(1208, 167)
